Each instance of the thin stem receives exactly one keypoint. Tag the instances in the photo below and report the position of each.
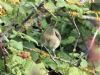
(52, 57)
(78, 33)
(57, 58)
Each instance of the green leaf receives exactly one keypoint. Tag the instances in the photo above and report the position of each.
(44, 23)
(37, 2)
(73, 71)
(1, 64)
(15, 33)
(83, 63)
(7, 6)
(64, 55)
(74, 54)
(29, 38)
(50, 7)
(22, 11)
(35, 56)
(63, 68)
(1, 21)
(6, 38)
(0, 30)
(50, 63)
(61, 3)
(42, 69)
(69, 40)
(28, 67)
(97, 69)
(16, 45)
(34, 69)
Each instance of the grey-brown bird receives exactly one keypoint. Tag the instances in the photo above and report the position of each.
(51, 39)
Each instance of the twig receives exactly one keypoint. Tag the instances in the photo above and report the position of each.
(75, 14)
(77, 31)
(90, 17)
(57, 58)
(79, 35)
(66, 61)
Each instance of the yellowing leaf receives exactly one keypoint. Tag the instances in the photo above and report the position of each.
(6, 6)
(73, 1)
(15, 1)
(2, 11)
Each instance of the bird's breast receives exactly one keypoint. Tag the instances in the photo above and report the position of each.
(54, 43)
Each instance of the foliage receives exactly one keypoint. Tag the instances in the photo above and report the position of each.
(21, 24)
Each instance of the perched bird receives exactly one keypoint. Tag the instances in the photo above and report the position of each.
(94, 54)
(51, 39)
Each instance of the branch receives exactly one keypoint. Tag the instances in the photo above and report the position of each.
(75, 14)
(91, 17)
(45, 54)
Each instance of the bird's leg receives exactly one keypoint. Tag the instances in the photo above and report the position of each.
(47, 50)
(54, 54)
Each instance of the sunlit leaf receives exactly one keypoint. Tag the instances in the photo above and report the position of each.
(16, 45)
(83, 63)
(50, 7)
(73, 71)
(61, 3)
(29, 38)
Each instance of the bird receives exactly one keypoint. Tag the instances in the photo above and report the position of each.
(93, 56)
(51, 39)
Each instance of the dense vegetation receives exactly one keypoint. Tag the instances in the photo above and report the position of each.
(21, 25)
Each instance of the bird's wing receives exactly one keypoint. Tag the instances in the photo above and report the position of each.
(57, 34)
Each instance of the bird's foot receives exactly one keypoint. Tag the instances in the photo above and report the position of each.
(54, 59)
